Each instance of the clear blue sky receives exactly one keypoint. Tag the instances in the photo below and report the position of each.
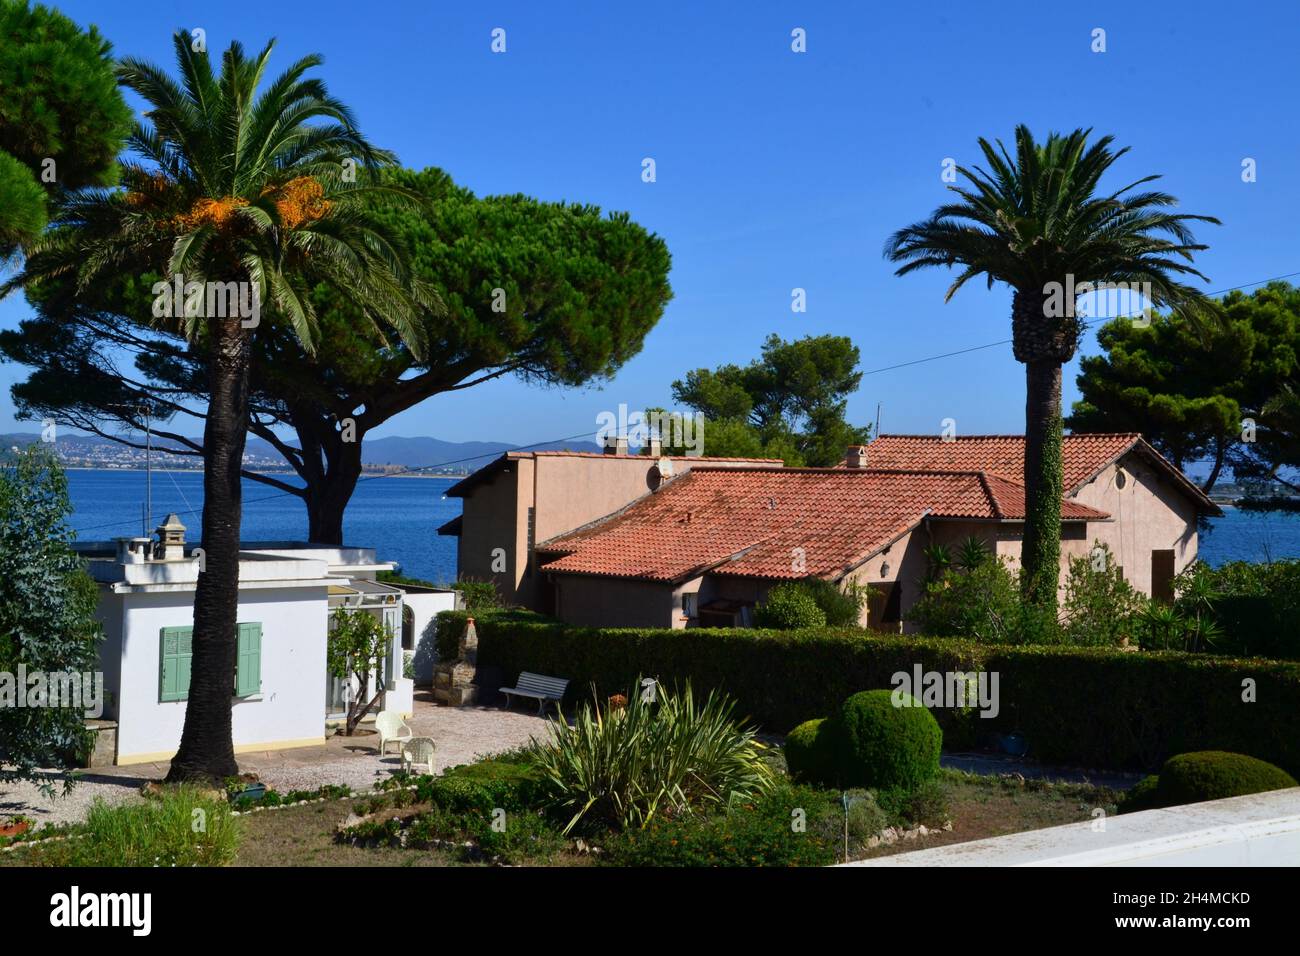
(777, 169)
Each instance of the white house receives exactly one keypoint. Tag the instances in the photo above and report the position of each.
(283, 696)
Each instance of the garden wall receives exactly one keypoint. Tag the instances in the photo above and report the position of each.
(1091, 707)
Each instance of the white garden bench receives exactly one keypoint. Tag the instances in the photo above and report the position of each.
(543, 689)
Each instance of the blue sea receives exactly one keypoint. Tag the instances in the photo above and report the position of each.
(400, 516)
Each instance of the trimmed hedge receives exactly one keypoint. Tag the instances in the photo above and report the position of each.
(1095, 707)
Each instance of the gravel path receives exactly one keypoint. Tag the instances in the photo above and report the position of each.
(461, 735)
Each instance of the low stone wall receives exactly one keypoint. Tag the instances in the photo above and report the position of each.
(1262, 829)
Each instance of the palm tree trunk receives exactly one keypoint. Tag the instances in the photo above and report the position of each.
(1040, 555)
(207, 750)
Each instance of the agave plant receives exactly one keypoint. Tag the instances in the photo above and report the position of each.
(971, 553)
(626, 766)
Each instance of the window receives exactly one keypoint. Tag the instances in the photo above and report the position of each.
(174, 669)
(408, 628)
(690, 603)
(248, 661)
(176, 653)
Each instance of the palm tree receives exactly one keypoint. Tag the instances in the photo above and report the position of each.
(1039, 223)
(256, 189)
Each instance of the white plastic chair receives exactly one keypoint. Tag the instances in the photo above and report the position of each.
(392, 729)
(418, 750)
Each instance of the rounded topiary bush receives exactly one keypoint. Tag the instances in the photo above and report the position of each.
(885, 746)
(1145, 795)
(789, 607)
(1215, 774)
(810, 753)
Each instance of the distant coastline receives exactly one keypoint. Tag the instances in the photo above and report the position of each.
(285, 473)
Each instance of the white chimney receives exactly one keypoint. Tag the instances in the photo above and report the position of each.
(615, 444)
(857, 456)
(133, 550)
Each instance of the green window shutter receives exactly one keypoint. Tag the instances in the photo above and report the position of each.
(248, 662)
(176, 647)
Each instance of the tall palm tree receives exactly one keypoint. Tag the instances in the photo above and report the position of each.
(1036, 220)
(259, 187)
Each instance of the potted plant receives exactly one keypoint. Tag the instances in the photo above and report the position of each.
(245, 789)
(14, 826)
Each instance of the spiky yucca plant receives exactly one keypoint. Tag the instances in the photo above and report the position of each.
(625, 766)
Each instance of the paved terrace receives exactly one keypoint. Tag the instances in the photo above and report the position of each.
(462, 735)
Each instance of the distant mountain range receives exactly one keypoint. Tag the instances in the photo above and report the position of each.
(378, 453)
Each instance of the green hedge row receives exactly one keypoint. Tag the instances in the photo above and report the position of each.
(1093, 707)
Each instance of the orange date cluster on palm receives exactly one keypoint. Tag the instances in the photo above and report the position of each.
(298, 201)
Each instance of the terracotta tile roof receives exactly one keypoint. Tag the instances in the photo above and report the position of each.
(1082, 456)
(749, 522)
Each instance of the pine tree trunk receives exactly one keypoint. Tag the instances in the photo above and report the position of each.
(328, 496)
(207, 750)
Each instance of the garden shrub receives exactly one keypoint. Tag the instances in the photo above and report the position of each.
(809, 752)
(478, 595)
(841, 605)
(755, 833)
(925, 804)
(1255, 607)
(1145, 795)
(1214, 775)
(1101, 609)
(788, 607)
(1086, 706)
(980, 602)
(879, 744)
(866, 817)
(623, 767)
(513, 785)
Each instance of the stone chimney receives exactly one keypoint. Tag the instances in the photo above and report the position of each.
(171, 540)
(856, 457)
(615, 444)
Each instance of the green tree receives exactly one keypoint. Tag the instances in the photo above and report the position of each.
(1041, 223)
(62, 119)
(47, 608)
(790, 403)
(1188, 389)
(1164, 382)
(357, 646)
(579, 291)
(259, 187)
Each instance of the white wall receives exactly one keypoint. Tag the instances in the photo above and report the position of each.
(426, 606)
(291, 706)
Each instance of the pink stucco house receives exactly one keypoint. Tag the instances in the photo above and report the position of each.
(638, 541)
